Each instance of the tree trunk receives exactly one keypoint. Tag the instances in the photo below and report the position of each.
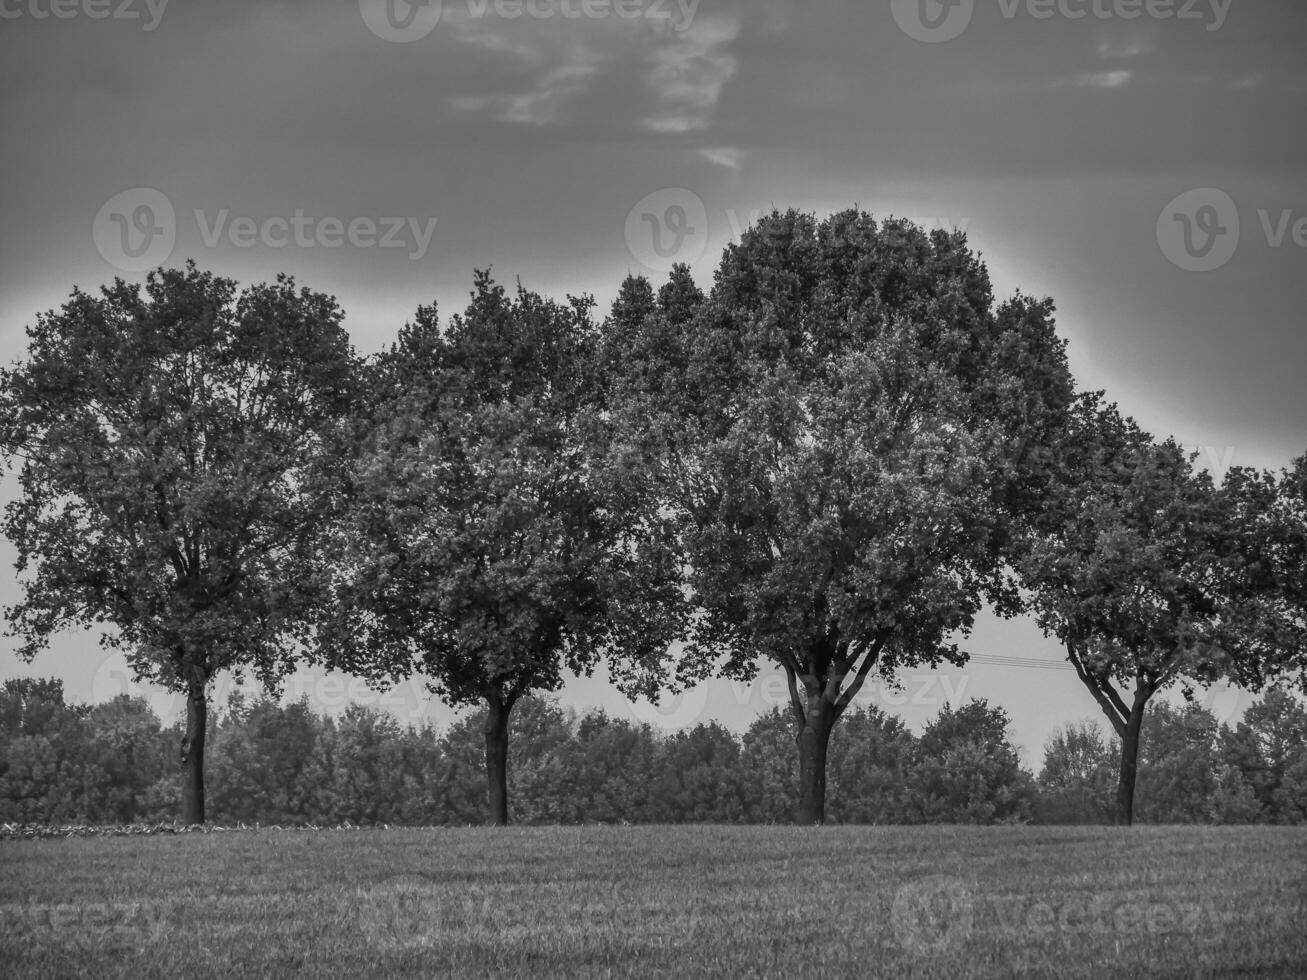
(497, 758)
(192, 756)
(1125, 785)
(813, 739)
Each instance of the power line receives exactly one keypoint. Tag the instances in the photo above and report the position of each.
(999, 660)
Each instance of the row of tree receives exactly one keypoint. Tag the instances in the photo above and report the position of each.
(828, 463)
(284, 764)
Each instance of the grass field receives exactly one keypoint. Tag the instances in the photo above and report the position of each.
(661, 901)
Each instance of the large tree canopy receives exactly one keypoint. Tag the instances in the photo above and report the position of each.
(497, 535)
(165, 438)
(1130, 566)
(844, 426)
(1267, 589)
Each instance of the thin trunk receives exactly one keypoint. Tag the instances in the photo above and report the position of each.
(192, 755)
(1126, 720)
(497, 758)
(813, 739)
(1125, 786)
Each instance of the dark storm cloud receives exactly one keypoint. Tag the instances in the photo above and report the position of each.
(529, 138)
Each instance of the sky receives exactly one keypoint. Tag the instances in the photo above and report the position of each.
(1143, 162)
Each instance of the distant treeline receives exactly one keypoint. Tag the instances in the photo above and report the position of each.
(284, 764)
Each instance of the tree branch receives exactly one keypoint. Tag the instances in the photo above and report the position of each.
(1111, 703)
(871, 655)
(796, 704)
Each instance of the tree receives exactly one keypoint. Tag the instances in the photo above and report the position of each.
(1129, 567)
(1267, 587)
(612, 764)
(266, 763)
(368, 766)
(965, 769)
(125, 757)
(165, 441)
(43, 756)
(30, 705)
(700, 779)
(540, 736)
(496, 537)
(1289, 557)
(769, 761)
(1265, 747)
(1179, 768)
(871, 758)
(1078, 776)
(838, 431)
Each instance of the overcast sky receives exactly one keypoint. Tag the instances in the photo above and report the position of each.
(1143, 162)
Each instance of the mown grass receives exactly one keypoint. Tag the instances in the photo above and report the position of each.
(660, 901)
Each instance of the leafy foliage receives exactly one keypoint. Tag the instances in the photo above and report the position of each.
(167, 440)
(840, 429)
(162, 440)
(493, 539)
(1129, 565)
(284, 765)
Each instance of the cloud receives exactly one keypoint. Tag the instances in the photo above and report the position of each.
(541, 105)
(1250, 82)
(680, 70)
(687, 72)
(1103, 79)
(723, 156)
(558, 67)
(1113, 49)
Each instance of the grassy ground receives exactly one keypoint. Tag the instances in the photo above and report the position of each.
(674, 901)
